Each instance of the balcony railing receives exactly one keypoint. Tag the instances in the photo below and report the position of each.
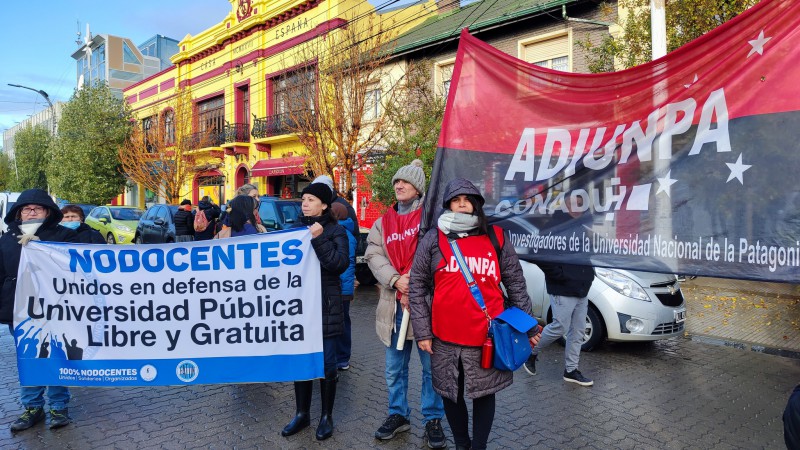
(237, 132)
(204, 139)
(274, 125)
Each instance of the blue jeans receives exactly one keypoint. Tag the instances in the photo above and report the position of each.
(345, 339)
(33, 396)
(397, 379)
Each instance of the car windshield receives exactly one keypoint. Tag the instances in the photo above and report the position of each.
(86, 209)
(290, 211)
(126, 214)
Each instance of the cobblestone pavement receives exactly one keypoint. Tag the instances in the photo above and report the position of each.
(671, 394)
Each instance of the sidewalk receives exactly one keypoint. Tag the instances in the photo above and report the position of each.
(761, 317)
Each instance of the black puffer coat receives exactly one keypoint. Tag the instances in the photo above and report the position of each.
(88, 235)
(332, 250)
(569, 280)
(478, 381)
(10, 249)
(184, 223)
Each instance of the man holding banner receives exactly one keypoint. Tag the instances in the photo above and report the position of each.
(34, 217)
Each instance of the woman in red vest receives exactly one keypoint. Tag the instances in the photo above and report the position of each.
(447, 321)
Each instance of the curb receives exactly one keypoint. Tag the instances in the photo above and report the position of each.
(745, 346)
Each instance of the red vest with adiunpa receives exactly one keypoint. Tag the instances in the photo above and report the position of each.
(456, 316)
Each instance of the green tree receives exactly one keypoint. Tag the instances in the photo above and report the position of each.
(686, 21)
(31, 154)
(414, 120)
(85, 165)
(8, 179)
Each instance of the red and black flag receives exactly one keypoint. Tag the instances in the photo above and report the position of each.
(689, 164)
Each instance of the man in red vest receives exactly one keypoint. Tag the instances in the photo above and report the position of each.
(392, 242)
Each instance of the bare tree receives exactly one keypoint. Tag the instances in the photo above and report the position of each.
(160, 155)
(331, 92)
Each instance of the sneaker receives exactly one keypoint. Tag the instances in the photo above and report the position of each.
(434, 434)
(530, 365)
(577, 377)
(344, 367)
(391, 426)
(29, 418)
(59, 418)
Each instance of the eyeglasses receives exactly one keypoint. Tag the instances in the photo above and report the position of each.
(28, 210)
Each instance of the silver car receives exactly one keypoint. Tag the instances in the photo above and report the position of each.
(623, 305)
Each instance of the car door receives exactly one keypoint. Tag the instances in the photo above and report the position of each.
(147, 227)
(160, 225)
(104, 218)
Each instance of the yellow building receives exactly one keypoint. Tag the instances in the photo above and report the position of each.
(239, 74)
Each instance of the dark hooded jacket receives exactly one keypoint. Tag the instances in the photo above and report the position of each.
(184, 222)
(332, 250)
(444, 361)
(88, 235)
(10, 249)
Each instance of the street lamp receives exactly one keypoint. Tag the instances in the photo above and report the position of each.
(46, 97)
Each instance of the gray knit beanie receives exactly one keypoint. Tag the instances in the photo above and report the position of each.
(412, 174)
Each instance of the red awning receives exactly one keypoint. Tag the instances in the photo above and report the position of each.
(291, 165)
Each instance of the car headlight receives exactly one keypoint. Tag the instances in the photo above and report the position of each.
(622, 284)
(123, 228)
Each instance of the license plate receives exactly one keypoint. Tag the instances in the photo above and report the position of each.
(680, 315)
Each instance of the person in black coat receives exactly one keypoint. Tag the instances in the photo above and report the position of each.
(34, 216)
(212, 213)
(568, 286)
(74, 220)
(184, 222)
(329, 240)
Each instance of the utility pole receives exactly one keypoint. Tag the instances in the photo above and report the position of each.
(46, 97)
(658, 28)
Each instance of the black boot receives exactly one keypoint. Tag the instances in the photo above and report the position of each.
(302, 419)
(327, 387)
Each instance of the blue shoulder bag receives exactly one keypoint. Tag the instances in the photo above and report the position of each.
(508, 330)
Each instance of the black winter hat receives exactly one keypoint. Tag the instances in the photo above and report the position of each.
(35, 197)
(461, 186)
(321, 191)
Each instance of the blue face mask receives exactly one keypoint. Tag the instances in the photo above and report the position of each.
(71, 225)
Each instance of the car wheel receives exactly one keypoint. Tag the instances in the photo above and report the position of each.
(364, 275)
(138, 239)
(595, 330)
(110, 239)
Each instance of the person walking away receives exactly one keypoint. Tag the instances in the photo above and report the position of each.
(34, 216)
(348, 279)
(329, 241)
(212, 213)
(74, 220)
(568, 286)
(391, 244)
(241, 218)
(448, 322)
(184, 222)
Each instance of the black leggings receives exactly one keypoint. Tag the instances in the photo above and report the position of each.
(458, 417)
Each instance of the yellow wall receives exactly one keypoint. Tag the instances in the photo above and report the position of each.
(231, 57)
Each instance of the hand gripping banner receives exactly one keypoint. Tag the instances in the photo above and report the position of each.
(236, 310)
(685, 165)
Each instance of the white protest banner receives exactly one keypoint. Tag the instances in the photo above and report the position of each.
(237, 310)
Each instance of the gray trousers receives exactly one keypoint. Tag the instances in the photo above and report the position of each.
(569, 321)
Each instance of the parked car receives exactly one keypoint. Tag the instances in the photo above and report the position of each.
(7, 200)
(363, 273)
(157, 225)
(624, 305)
(117, 224)
(278, 213)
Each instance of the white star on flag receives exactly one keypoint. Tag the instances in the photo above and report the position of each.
(737, 169)
(665, 183)
(758, 44)
(483, 279)
(490, 254)
(687, 86)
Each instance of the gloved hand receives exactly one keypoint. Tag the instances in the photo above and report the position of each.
(25, 238)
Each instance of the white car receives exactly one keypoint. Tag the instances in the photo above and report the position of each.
(623, 305)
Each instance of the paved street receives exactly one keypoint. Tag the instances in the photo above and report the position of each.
(672, 394)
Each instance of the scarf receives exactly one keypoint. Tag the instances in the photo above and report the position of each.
(459, 224)
(29, 229)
